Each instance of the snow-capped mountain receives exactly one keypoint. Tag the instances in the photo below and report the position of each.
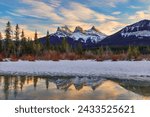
(63, 32)
(78, 29)
(135, 34)
(92, 35)
(141, 29)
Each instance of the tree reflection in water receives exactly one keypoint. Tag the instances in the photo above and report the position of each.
(54, 87)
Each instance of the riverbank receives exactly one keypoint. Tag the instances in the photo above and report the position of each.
(118, 69)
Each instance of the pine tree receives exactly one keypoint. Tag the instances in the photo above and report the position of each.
(23, 35)
(108, 51)
(17, 33)
(47, 41)
(100, 51)
(35, 35)
(136, 52)
(1, 37)
(129, 53)
(17, 43)
(79, 48)
(23, 43)
(48, 33)
(9, 47)
(133, 52)
(8, 31)
(65, 45)
(1, 45)
(37, 45)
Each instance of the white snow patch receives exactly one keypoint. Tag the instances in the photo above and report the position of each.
(144, 33)
(120, 69)
(95, 37)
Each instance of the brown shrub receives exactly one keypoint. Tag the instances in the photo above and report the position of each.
(99, 59)
(13, 58)
(72, 56)
(28, 57)
(1, 57)
(89, 55)
(115, 58)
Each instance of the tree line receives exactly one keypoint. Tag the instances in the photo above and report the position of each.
(16, 44)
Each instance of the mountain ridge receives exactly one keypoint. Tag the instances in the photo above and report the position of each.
(134, 34)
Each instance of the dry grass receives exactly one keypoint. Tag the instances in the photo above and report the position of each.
(56, 56)
(28, 57)
(1, 57)
(13, 58)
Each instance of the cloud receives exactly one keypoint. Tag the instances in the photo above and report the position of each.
(26, 27)
(107, 3)
(54, 3)
(3, 21)
(140, 15)
(81, 13)
(111, 27)
(48, 15)
(134, 7)
(116, 13)
(39, 9)
(143, 0)
(14, 14)
(28, 32)
(75, 14)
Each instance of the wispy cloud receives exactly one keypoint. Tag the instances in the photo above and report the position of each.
(81, 12)
(75, 14)
(80, 15)
(39, 9)
(111, 27)
(13, 13)
(108, 3)
(116, 13)
(55, 3)
(140, 15)
(134, 7)
(108, 15)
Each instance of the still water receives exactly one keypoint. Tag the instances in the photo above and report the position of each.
(72, 88)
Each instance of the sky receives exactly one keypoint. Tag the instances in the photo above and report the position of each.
(109, 16)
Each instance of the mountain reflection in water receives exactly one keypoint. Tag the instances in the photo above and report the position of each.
(80, 88)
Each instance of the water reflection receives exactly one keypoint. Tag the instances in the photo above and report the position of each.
(54, 87)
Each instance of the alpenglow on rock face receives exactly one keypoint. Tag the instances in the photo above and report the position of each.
(93, 34)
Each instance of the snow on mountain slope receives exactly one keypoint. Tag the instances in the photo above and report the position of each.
(144, 33)
(63, 32)
(79, 35)
(92, 34)
(137, 34)
(141, 28)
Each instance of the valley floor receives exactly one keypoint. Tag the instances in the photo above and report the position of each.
(139, 70)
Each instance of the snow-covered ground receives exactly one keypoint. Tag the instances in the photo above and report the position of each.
(122, 69)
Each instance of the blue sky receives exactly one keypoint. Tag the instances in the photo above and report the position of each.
(108, 16)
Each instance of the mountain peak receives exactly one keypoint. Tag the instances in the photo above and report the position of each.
(78, 29)
(145, 20)
(142, 23)
(141, 28)
(94, 29)
(64, 29)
